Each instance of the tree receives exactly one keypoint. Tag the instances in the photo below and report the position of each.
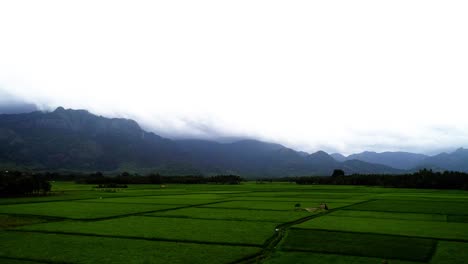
(338, 172)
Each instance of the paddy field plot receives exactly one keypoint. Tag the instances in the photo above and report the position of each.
(179, 229)
(390, 215)
(270, 205)
(451, 252)
(81, 210)
(288, 257)
(234, 214)
(150, 200)
(359, 244)
(210, 223)
(411, 206)
(88, 249)
(417, 228)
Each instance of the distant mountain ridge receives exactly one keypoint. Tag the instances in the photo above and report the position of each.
(399, 160)
(67, 139)
(455, 161)
(78, 140)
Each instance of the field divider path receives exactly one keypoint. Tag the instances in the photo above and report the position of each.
(386, 234)
(153, 211)
(213, 219)
(243, 208)
(60, 218)
(270, 244)
(137, 238)
(97, 196)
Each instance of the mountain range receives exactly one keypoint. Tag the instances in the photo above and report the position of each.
(76, 140)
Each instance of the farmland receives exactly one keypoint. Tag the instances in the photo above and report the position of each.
(246, 223)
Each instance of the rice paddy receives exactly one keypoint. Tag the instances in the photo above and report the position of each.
(247, 223)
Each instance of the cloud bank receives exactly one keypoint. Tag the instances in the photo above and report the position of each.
(341, 76)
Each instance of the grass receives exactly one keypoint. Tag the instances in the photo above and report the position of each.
(8, 221)
(457, 218)
(239, 232)
(268, 205)
(390, 226)
(17, 261)
(451, 253)
(368, 245)
(408, 206)
(189, 197)
(149, 200)
(320, 258)
(82, 249)
(390, 215)
(80, 210)
(235, 214)
(146, 224)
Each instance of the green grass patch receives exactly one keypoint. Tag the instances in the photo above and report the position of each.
(17, 261)
(147, 200)
(262, 205)
(296, 200)
(451, 253)
(7, 221)
(390, 226)
(168, 228)
(305, 194)
(319, 258)
(457, 218)
(390, 215)
(368, 245)
(199, 196)
(425, 207)
(235, 214)
(82, 249)
(80, 210)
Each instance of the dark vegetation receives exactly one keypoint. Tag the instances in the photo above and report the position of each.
(359, 244)
(426, 179)
(16, 183)
(20, 183)
(124, 178)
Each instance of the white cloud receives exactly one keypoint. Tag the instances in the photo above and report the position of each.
(338, 75)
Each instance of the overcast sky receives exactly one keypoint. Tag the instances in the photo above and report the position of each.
(340, 76)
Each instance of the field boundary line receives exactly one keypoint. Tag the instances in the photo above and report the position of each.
(389, 218)
(98, 202)
(280, 231)
(147, 212)
(88, 198)
(137, 238)
(241, 208)
(107, 217)
(45, 217)
(214, 219)
(385, 234)
(400, 212)
(345, 254)
(36, 260)
(434, 247)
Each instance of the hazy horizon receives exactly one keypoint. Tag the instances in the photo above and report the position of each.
(341, 77)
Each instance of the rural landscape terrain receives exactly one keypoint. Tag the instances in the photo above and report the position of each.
(183, 201)
(244, 223)
(233, 132)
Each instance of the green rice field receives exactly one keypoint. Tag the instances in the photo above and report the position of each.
(246, 223)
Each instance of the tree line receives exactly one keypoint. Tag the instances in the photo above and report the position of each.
(155, 178)
(424, 179)
(17, 183)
